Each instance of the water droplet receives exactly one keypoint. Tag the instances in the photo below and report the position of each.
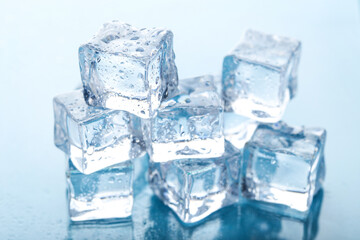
(90, 150)
(140, 75)
(187, 100)
(134, 38)
(139, 49)
(111, 179)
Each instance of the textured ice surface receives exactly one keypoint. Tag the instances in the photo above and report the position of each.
(266, 225)
(187, 125)
(284, 166)
(260, 76)
(105, 194)
(238, 130)
(129, 69)
(195, 188)
(94, 138)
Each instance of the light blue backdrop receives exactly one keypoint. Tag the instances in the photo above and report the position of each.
(38, 59)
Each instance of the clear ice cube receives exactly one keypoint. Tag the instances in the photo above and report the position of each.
(94, 138)
(188, 125)
(105, 194)
(284, 166)
(260, 76)
(238, 130)
(195, 188)
(126, 68)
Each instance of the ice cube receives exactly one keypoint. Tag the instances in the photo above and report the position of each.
(129, 69)
(187, 125)
(105, 194)
(195, 188)
(284, 166)
(258, 223)
(238, 130)
(260, 76)
(94, 138)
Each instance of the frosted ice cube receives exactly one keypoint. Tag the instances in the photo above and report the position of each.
(105, 194)
(238, 130)
(260, 76)
(94, 138)
(195, 188)
(284, 166)
(129, 69)
(187, 125)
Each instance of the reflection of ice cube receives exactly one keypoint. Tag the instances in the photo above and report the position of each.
(284, 166)
(238, 130)
(260, 76)
(129, 69)
(187, 125)
(257, 223)
(120, 230)
(105, 194)
(94, 138)
(195, 188)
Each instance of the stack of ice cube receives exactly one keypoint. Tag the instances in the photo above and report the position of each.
(126, 72)
(210, 141)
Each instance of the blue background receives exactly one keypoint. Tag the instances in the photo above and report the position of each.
(38, 59)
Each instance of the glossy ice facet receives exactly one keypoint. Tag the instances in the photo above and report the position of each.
(238, 130)
(187, 125)
(129, 69)
(284, 166)
(195, 188)
(94, 138)
(260, 76)
(105, 194)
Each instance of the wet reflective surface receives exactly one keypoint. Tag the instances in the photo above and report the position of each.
(153, 220)
(39, 59)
